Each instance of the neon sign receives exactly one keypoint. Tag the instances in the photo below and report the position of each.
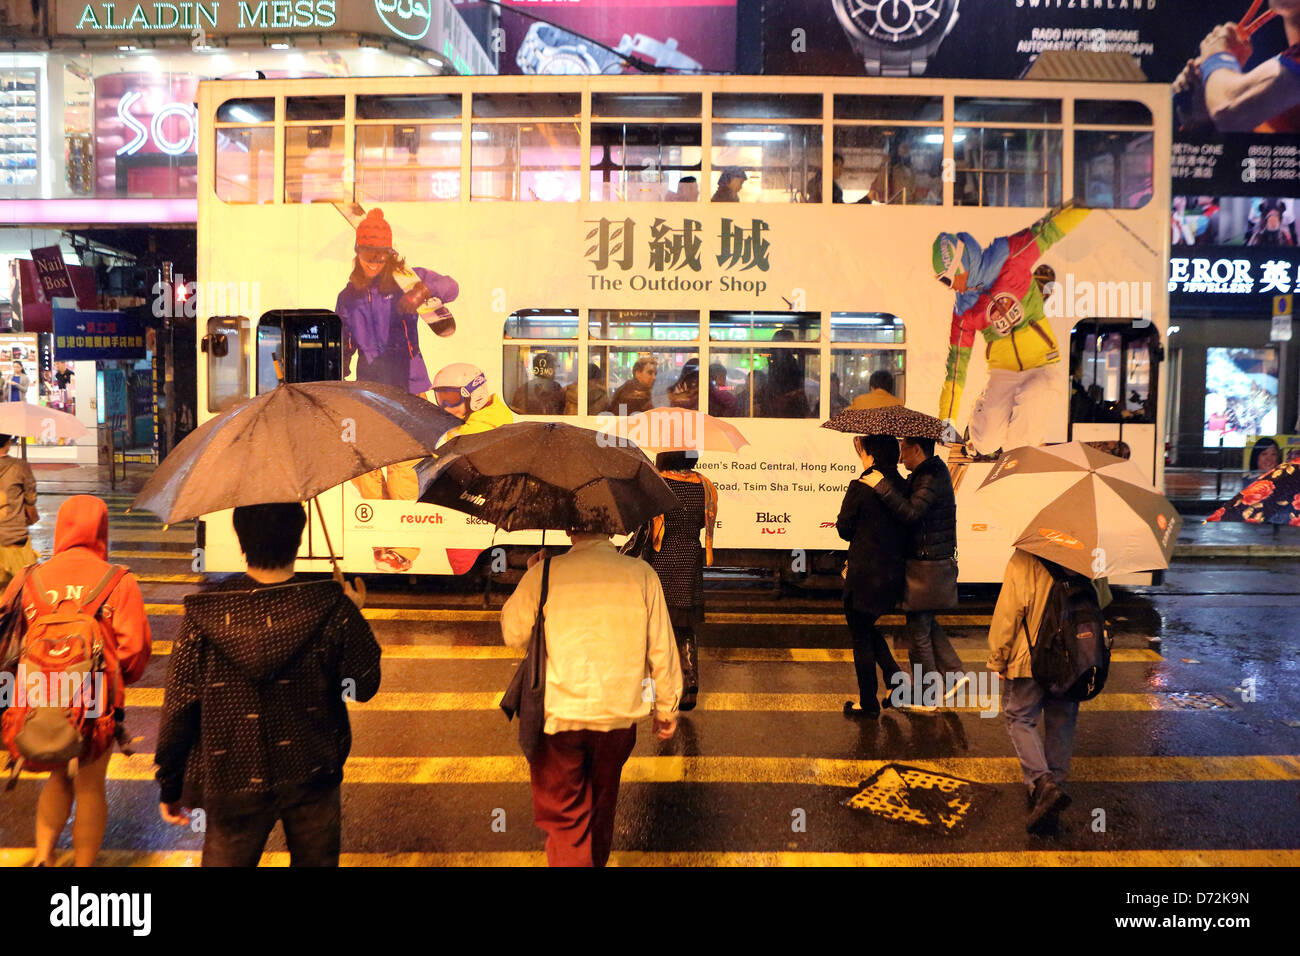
(414, 17)
(141, 133)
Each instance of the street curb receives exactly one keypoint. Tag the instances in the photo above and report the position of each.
(1237, 551)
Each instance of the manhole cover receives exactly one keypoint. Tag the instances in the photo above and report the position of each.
(919, 797)
(1195, 700)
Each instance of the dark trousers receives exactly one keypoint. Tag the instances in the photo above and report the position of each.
(928, 644)
(688, 651)
(311, 830)
(869, 649)
(575, 789)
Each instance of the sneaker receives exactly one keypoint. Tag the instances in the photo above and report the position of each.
(1048, 804)
(959, 683)
(918, 708)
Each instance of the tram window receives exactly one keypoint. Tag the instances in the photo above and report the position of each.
(228, 364)
(642, 325)
(1113, 169)
(542, 324)
(1007, 167)
(853, 106)
(646, 105)
(856, 373)
(259, 109)
(493, 105)
(270, 349)
(313, 109)
(525, 162)
(637, 380)
(307, 344)
(983, 109)
(772, 382)
(536, 377)
(642, 163)
(1111, 113)
(867, 327)
(767, 105)
(409, 106)
(408, 161)
(1111, 373)
(245, 170)
(765, 326)
(313, 164)
(764, 163)
(887, 164)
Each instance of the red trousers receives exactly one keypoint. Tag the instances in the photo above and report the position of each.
(575, 789)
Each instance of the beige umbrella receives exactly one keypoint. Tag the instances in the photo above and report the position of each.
(673, 429)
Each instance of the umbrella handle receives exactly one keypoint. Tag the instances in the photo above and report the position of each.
(356, 593)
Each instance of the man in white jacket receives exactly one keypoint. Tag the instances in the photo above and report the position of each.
(610, 660)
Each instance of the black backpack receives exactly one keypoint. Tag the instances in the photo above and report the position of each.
(1071, 656)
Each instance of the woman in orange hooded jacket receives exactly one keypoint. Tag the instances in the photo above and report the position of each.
(80, 559)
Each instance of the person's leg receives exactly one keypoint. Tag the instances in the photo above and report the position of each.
(688, 653)
(610, 751)
(1059, 719)
(312, 830)
(562, 798)
(236, 839)
(992, 412)
(370, 485)
(52, 811)
(92, 809)
(946, 658)
(862, 633)
(1031, 405)
(1021, 706)
(400, 483)
(920, 650)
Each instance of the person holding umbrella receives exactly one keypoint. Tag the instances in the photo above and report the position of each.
(873, 574)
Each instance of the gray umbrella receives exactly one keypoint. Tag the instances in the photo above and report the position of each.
(291, 444)
(547, 475)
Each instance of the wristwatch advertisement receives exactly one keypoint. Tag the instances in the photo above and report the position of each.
(550, 50)
(896, 37)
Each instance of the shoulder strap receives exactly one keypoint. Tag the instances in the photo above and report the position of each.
(91, 603)
(38, 592)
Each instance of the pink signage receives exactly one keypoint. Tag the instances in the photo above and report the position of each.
(146, 131)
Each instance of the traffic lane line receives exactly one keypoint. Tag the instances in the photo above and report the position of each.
(141, 697)
(796, 655)
(786, 770)
(15, 857)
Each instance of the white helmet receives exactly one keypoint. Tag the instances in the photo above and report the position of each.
(468, 380)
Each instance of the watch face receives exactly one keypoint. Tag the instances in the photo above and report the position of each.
(564, 63)
(901, 22)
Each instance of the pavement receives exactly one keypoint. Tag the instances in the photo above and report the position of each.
(1191, 756)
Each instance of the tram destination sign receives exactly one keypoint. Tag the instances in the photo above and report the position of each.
(90, 335)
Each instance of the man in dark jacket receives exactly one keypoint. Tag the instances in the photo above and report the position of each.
(254, 725)
(929, 508)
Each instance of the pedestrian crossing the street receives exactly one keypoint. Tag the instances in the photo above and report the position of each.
(758, 773)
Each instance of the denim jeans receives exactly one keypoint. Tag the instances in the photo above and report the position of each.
(311, 831)
(1024, 699)
(929, 646)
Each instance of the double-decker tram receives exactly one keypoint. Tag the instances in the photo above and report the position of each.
(769, 250)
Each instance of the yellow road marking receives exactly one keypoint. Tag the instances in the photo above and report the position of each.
(146, 578)
(11, 857)
(787, 770)
(153, 555)
(432, 701)
(797, 655)
(156, 534)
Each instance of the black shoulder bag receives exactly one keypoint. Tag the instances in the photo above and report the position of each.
(526, 695)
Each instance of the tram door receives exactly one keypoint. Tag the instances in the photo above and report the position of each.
(295, 346)
(1114, 374)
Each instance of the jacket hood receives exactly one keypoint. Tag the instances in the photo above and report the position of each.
(263, 629)
(82, 523)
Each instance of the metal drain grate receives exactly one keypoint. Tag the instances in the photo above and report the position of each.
(919, 797)
(1197, 700)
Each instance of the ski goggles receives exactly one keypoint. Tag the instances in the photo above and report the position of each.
(373, 256)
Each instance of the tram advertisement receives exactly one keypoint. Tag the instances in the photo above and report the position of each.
(501, 312)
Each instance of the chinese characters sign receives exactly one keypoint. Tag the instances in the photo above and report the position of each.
(86, 336)
(613, 247)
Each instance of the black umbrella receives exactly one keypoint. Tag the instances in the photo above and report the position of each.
(896, 420)
(547, 475)
(291, 444)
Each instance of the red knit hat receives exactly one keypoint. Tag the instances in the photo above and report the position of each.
(374, 232)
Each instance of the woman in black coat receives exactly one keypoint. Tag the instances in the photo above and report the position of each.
(875, 575)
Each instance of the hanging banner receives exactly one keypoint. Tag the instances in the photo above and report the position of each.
(52, 272)
(88, 336)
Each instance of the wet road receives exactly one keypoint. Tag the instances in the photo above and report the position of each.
(1191, 755)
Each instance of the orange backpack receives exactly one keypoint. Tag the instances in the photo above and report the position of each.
(66, 680)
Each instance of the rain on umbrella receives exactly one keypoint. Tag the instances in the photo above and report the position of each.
(547, 475)
(897, 420)
(39, 421)
(291, 444)
(674, 429)
(1273, 499)
(1083, 509)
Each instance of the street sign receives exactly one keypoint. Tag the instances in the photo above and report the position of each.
(87, 335)
(1282, 311)
(53, 273)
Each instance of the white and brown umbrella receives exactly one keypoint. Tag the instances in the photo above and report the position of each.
(1083, 509)
(673, 429)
